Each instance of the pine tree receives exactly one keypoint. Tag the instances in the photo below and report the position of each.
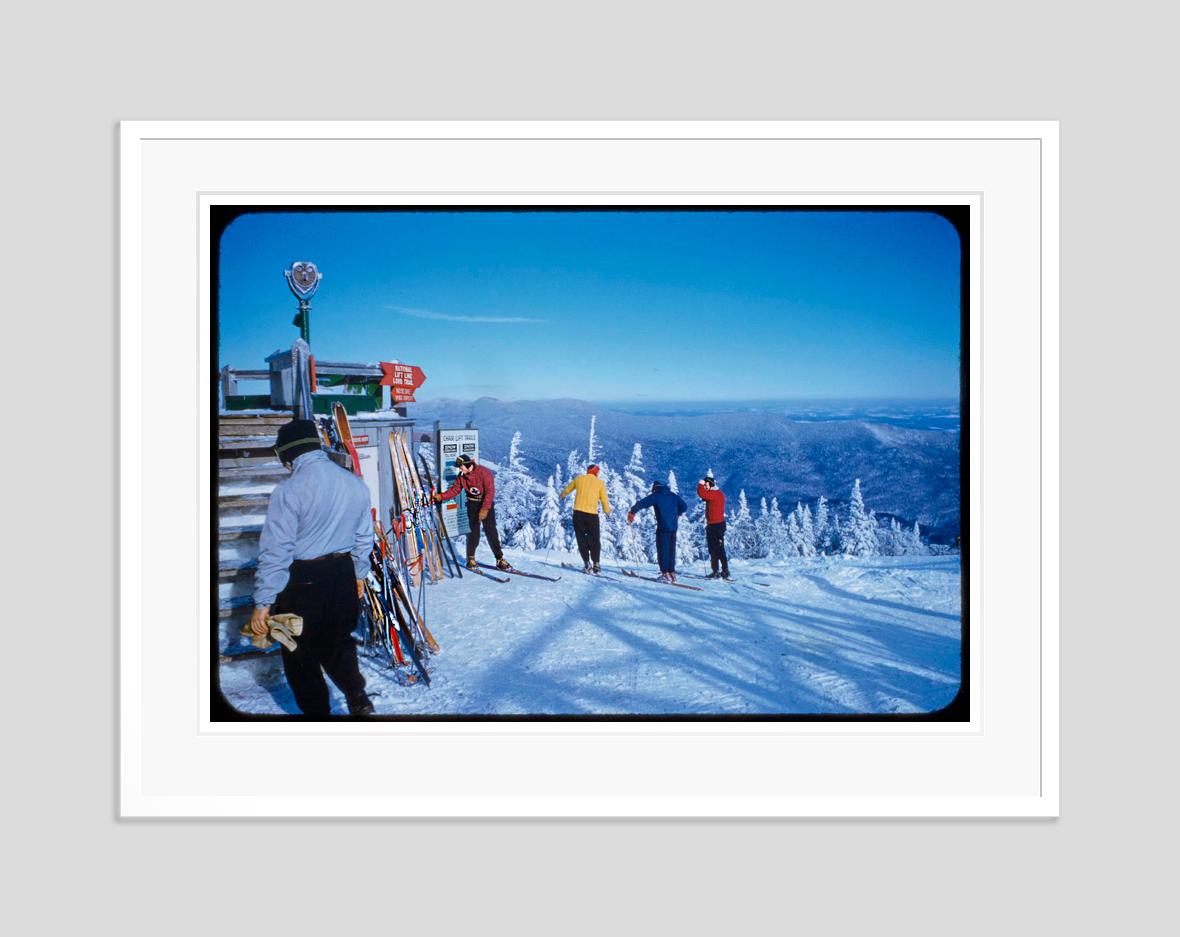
(807, 532)
(860, 535)
(821, 532)
(695, 520)
(916, 546)
(794, 538)
(592, 449)
(558, 480)
(551, 535)
(739, 536)
(626, 538)
(573, 466)
(672, 485)
(634, 475)
(525, 537)
(514, 493)
(606, 530)
(778, 546)
(637, 541)
(763, 533)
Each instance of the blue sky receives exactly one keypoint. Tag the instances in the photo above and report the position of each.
(611, 306)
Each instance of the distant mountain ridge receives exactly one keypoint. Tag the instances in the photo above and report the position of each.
(912, 474)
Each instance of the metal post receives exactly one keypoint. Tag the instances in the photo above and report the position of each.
(304, 279)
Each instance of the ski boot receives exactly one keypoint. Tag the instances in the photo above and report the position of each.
(596, 569)
(725, 575)
(471, 564)
(713, 576)
(503, 565)
(587, 569)
(360, 706)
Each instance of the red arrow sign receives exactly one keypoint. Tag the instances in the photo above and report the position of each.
(402, 379)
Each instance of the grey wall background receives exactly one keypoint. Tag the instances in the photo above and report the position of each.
(71, 72)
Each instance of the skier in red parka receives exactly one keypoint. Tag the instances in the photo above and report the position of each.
(714, 499)
(480, 487)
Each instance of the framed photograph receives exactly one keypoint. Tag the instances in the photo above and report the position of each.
(658, 469)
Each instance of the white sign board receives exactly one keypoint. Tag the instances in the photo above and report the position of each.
(451, 444)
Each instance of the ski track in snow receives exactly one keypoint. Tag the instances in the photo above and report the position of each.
(828, 635)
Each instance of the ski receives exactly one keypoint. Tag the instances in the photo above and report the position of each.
(592, 575)
(442, 524)
(486, 574)
(718, 578)
(520, 572)
(681, 585)
(340, 415)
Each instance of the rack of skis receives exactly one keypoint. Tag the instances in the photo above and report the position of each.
(413, 553)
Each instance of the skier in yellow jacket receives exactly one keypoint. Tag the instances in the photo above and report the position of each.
(590, 491)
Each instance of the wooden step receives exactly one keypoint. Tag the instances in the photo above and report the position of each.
(259, 422)
(245, 459)
(230, 569)
(249, 532)
(260, 472)
(233, 607)
(246, 446)
(242, 504)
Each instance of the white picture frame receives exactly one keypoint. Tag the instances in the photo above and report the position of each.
(175, 762)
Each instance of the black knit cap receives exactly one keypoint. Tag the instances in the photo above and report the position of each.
(295, 439)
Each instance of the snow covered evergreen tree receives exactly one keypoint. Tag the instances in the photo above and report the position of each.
(794, 537)
(822, 533)
(763, 531)
(634, 475)
(592, 449)
(573, 466)
(608, 532)
(916, 546)
(558, 479)
(618, 542)
(636, 542)
(525, 537)
(551, 535)
(686, 545)
(859, 533)
(673, 486)
(515, 494)
(806, 532)
(739, 536)
(694, 520)
(778, 546)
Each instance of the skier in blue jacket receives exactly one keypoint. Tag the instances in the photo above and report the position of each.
(668, 507)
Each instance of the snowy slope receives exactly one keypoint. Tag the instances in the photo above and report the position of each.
(822, 636)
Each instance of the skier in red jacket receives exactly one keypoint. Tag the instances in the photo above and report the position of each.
(714, 499)
(480, 487)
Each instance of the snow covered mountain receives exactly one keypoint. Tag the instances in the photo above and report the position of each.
(908, 463)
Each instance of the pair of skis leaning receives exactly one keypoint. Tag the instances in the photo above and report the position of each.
(393, 618)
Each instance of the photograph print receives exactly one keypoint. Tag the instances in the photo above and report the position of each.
(590, 463)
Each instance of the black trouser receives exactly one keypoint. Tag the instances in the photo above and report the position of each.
(715, 538)
(323, 593)
(489, 528)
(666, 549)
(588, 535)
